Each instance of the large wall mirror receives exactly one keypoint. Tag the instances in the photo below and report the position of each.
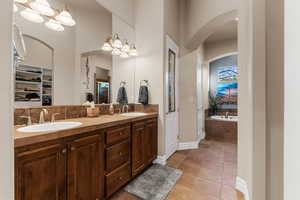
(62, 67)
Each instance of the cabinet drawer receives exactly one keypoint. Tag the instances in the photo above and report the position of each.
(117, 155)
(117, 134)
(117, 179)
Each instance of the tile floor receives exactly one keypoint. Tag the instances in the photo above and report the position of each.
(208, 174)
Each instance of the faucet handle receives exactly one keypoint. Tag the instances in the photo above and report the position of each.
(29, 122)
(53, 116)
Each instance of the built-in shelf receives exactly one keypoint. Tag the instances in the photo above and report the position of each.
(23, 97)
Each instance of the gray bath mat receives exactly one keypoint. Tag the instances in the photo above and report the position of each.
(155, 183)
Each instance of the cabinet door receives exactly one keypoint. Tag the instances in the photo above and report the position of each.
(41, 174)
(86, 169)
(138, 149)
(151, 141)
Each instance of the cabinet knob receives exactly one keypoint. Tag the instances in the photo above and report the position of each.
(73, 148)
(64, 151)
(121, 153)
(121, 178)
(121, 133)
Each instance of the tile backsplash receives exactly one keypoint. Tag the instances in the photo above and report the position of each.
(71, 112)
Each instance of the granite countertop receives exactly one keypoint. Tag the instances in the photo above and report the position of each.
(88, 125)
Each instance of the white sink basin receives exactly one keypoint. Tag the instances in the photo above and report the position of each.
(133, 114)
(49, 127)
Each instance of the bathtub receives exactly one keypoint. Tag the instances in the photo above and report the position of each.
(223, 118)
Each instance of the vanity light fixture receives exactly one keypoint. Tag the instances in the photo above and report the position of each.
(32, 15)
(117, 48)
(37, 10)
(133, 51)
(65, 18)
(117, 42)
(16, 8)
(42, 6)
(54, 25)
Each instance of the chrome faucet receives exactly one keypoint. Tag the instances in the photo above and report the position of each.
(125, 108)
(53, 117)
(226, 115)
(42, 115)
(29, 122)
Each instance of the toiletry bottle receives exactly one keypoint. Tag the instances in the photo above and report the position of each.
(111, 109)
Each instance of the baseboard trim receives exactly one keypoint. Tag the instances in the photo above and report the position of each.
(189, 145)
(162, 160)
(241, 186)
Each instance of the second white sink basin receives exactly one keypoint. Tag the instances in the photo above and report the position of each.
(49, 127)
(133, 114)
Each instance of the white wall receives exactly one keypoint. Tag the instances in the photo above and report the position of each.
(6, 103)
(291, 100)
(149, 28)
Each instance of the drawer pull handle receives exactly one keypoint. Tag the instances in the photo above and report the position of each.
(73, 148)
(64, 151)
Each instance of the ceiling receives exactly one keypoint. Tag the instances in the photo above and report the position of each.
(227, 32)
(92, 5)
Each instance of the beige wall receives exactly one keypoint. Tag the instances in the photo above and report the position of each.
(92, 29)
(217, 49)
(6, 103)
(188, 99)
(63, 45)
(123, 69)
(200, 12)
(171, 19)
(38, 53)
(149, 29)
(275, 100)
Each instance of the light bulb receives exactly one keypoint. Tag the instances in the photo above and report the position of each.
(107, 46)
(126, 47)
(32, 15)
(116, 52)
(117, 42)
(21, 1)
(54, 25)
(124, 55)
(42, 6)
(16, 8)
(65, 18)
(133, 51)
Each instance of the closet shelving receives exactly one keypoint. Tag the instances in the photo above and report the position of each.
(33, 86)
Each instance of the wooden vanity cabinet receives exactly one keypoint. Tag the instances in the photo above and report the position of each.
(85, 169)
(92, 166)
(71, 170)
(144, 144)
(41, 173)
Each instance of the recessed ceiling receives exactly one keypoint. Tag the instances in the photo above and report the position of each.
(227, 32)
(92, 5)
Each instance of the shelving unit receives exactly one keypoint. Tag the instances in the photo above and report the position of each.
(33, 86)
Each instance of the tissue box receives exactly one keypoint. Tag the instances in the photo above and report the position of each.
(93, 112)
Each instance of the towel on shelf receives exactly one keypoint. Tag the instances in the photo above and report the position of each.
(144, 95)
(122, 96)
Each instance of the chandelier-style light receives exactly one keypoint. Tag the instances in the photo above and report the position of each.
(32, 15)
(117, 48)
(37, 10)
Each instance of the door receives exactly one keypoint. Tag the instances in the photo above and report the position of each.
(138, 149)
(171, 97)
(41, 174)
(151, 141)
(86, 169)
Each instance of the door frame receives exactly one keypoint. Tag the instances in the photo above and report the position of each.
(170, 44)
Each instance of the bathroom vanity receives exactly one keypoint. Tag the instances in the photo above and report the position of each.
(89, 162)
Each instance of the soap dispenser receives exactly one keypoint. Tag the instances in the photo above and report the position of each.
(111, 109)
